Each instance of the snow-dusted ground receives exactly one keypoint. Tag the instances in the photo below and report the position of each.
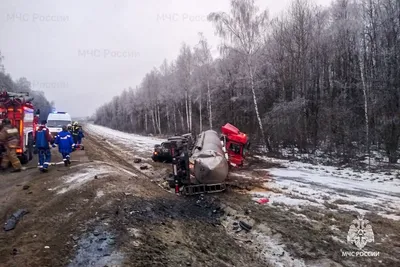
(96, 170)
(301, 184)
(137, 142)
(295, 185)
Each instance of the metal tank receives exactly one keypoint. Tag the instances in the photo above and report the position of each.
(210, 164)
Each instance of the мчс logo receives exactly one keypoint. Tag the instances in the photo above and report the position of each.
(360, 232)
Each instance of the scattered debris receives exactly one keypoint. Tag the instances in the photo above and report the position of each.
(13, 220)
(144, 167)
(46, 247)
(25, 187)
(262, 200)
(245, 226)
(137, 160)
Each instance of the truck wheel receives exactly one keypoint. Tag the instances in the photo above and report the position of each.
(24, 158)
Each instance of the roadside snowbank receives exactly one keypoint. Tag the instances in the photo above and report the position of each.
(138, 142)
(302, 184)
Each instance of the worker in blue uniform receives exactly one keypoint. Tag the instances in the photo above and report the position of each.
(65, 144)
(43, 140)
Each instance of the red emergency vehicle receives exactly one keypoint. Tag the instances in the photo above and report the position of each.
(235, 143)
(17, 107)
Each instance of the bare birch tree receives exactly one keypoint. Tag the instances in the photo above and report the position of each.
(244, 28)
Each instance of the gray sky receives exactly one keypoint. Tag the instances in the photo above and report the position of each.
(82, 53)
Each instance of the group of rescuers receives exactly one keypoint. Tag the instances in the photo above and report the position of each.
(67, 140)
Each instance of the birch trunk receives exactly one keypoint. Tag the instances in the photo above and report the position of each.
(209, 105)
(201, 120)
(365, 94)
(182, 120)
(175, 118)
(187, 109)
(154, 121)
(168, 120)
(190, 112)
(265, 141)
(159, 119)
(145, 120)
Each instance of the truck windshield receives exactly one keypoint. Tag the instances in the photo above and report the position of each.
(57, 123)
(235, 148)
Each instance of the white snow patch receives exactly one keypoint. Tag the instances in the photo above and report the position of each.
(271, 248)
(307, 184)
(134, 232)
(134, 141)
(337, 239)
(77, 179)
(99, 194)
(275, 253)
(389, 216)
(275, 198)
(128, 172)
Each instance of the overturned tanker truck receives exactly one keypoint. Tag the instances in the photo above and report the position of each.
(205, 168)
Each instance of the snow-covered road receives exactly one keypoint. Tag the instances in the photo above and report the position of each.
(134, 141)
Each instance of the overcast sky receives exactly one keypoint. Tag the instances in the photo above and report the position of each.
(82, 53)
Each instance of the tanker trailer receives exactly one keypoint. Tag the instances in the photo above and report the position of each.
(205, 171)
(210, 164)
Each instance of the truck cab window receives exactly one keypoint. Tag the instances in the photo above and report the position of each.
(167, 145)
(235, 148)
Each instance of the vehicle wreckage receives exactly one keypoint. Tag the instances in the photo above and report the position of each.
(202, 166)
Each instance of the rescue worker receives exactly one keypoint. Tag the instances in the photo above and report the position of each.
(75, 131)
(80, 136)
(9, 139)
(42, 144)
(65, 144)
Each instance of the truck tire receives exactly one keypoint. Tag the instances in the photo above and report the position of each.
(24, 158)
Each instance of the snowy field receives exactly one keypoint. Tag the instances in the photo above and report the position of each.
(300, 184)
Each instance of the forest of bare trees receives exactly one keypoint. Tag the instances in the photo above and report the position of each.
(23, 85)
(313, 78)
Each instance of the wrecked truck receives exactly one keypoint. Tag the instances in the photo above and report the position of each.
(163, 152)
(204, 170)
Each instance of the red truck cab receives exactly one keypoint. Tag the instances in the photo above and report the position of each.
(235, 143)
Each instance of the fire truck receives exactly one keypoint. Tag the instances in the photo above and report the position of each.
(17, 107)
